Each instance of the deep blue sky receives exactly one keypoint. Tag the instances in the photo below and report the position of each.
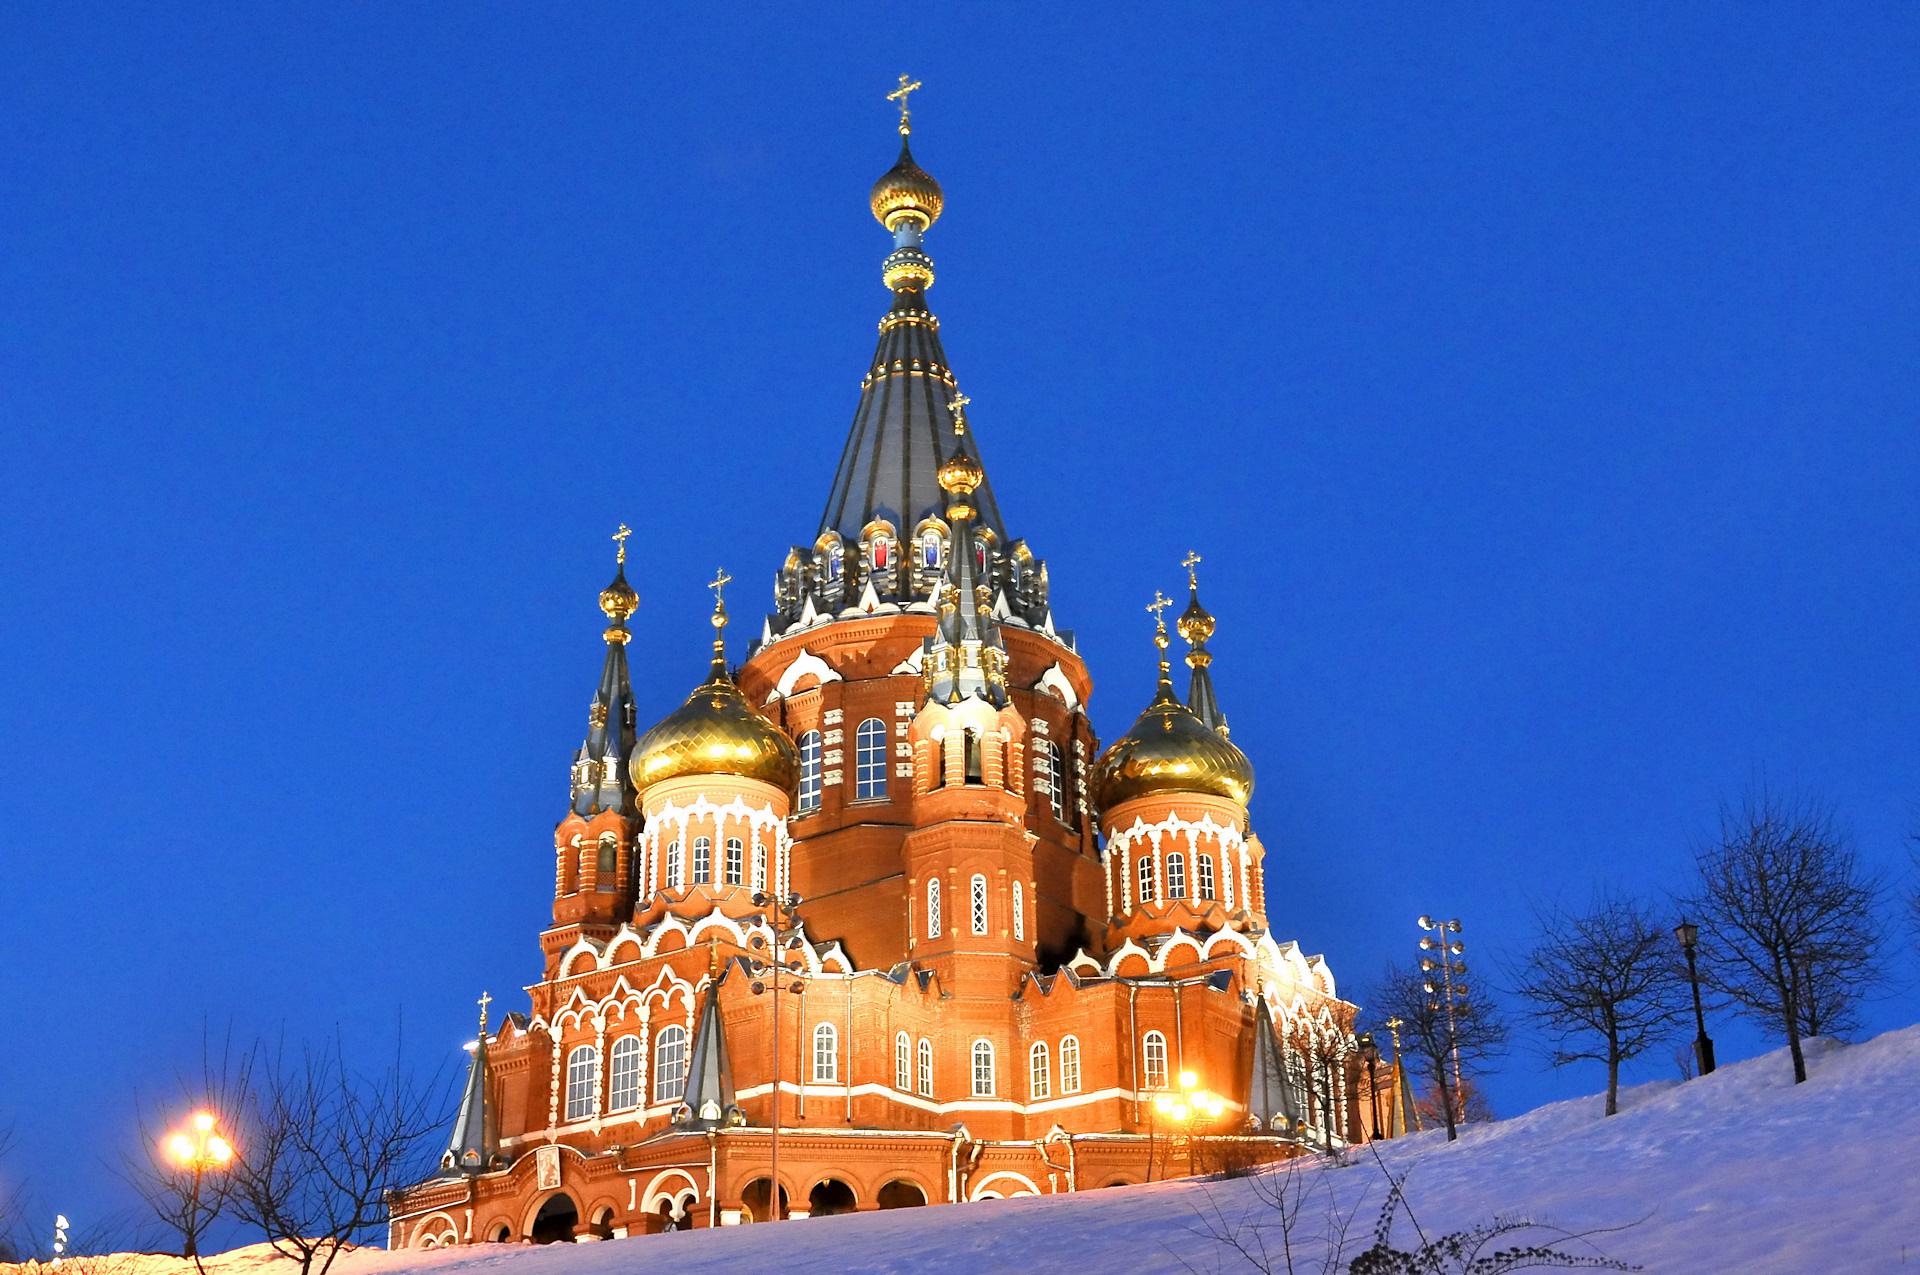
(1539, 384)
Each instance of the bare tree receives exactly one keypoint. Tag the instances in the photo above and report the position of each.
(325, 1143)
(1429, 1040)
(1602, 984)
(186, 1201)
(1790, 920)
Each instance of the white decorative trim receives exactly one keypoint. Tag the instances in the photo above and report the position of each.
(806, 662)
(1055, 682)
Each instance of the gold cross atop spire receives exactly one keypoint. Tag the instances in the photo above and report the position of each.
(1191, 561)
(620, 538)
(958, 406)
(900, 95)
(720, 581)
(1160, 603)
(486, 999)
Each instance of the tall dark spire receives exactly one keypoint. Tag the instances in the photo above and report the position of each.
(475, 1144)
(600, 780)
(965, 659)
(708, 1102)
(1196, 626)
(1272, 1105)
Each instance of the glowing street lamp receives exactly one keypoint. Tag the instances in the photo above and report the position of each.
(1187, 1107)
(197, 1149)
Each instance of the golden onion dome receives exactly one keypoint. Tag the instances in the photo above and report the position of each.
(618, 600)
(1171, 750)
(1196, 622)
(960, 474)
(906, 192)
(716, 732)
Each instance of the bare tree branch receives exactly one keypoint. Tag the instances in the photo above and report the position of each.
(1426, 1041)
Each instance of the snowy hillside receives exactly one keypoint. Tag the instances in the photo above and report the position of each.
(1738, 1171)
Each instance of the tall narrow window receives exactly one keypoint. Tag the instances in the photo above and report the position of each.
(979, 904)
(882, 554)
(1146, 878)
(903, 1063)
(583, 1077)
(1153, 1060)
(930, 550)
(870, 758)
(826, 1054)
(670, 1064)
(983, 1069)
(1204, 864)
(933, 908)
(926, 1067)
(1039, 1077)
(703, 860)
(1069, 1064)
(759, 866)
(809, 794)
(623, 1074)
(833, 561)
(1048, 777)
(1176, 875)
(970, 755)
(1019, 912)
(609, 863)
(736, 862)
(676, 867)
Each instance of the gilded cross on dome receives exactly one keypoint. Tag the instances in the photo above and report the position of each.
(900, 95)
(486, 999)
(1191, 561)
(958, 406)
(620, 538)
(1160, 603)
(719, 582)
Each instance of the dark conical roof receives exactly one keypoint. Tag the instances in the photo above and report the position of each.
(708, 1101)
(475, 1143)
(1272, 1106)
(600, 766)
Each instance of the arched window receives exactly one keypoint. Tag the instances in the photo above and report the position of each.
(970, 755)
(703, 860)
(1176, 875)
(834, 552)
(1047, 777)
(676, 867)
(1204, 863)
(759, 866)
(1069, 1064)
(1146, 878)
(609, 860)
(736, 868)
(1019, 912)
(670, 1064)
(882, 553)
(930, 549)
(1039, 1077)
(583, 1077)
(983, 1069)
(623, 1074)
(979, 904)
(826, 1054)
(933, 908)
(1153, 1060)
(870, 760)
(809, 794)
(926, 1067)
(903, 1063)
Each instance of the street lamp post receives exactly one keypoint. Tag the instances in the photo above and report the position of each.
(1689, 935)
(1450, 992)
(769, 975)
(197, 1148)
(1370, 1054)
(1189, 1105)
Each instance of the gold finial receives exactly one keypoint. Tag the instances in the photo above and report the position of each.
(718, 583)
(620, 538)
(618, 601)
(486, 999)
(1160, 603)
(713, 956)
(958, 406)
(900, 95)
(1191, 561)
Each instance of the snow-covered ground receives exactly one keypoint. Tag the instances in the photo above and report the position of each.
(1737, 1171)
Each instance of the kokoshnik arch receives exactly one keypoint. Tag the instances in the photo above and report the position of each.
(1008, 943)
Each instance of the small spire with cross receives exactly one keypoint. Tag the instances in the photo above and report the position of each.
(1191, 561)
(958, 406)
(620, 539)
(486, 999)
(900, 95)
(718, 584)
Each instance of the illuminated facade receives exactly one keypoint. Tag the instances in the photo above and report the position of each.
(1008, 942)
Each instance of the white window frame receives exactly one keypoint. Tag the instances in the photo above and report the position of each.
(1039, 1072)
(1145, 874)
(870, 761)
(826, 1055)
(676, 866)
(1069, 1064)
(670, 1063)
(583, 1078)
(703, 860)
(1019, 912)
(807, 798)
(978, 891)
(1204, 865)
(1153, 1061)
(735, 870)
(925, 1057)
(1176, 875)
(902, 1062)
(982, 1068)
(623, 1073)
(933, 907)
(759, 865)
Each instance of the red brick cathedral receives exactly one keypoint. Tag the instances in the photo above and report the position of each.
(873, 920)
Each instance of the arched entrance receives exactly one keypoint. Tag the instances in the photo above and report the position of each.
(556, 1220)
(829, 1197)
(753, 1199)
(899, 1194)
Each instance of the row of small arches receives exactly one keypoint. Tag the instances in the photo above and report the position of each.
(626, 1059)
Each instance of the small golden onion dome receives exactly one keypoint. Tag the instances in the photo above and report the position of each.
(906, 192)
(960, 474)
(1195, 623)
(1171, 750)
(716, 732)
(618, 600)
